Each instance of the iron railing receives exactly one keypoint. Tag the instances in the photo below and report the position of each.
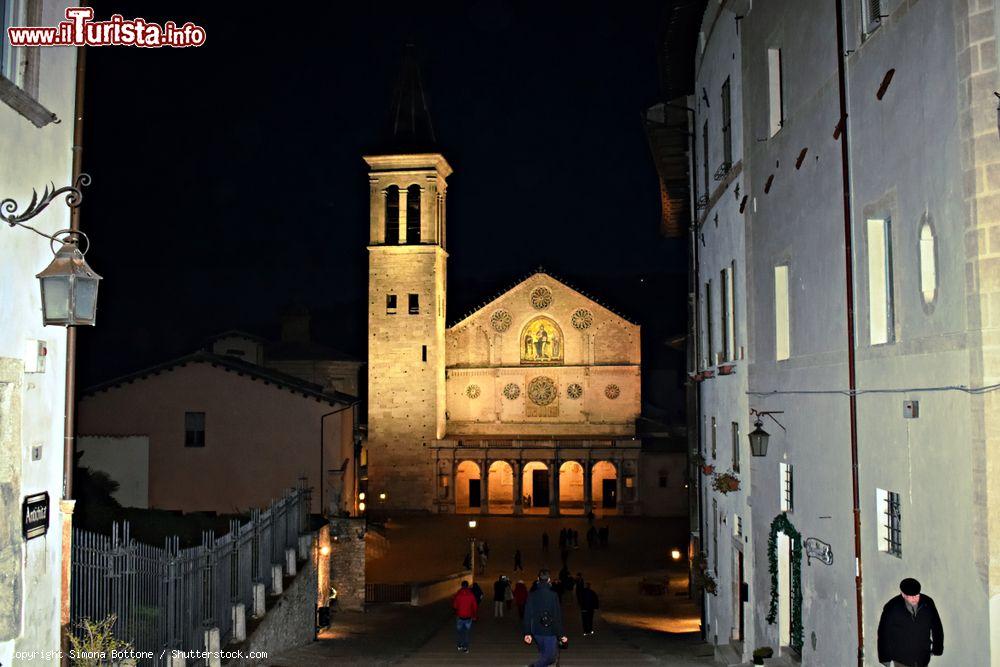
(165, 599)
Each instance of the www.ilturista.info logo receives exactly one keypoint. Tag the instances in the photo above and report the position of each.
(79, 29)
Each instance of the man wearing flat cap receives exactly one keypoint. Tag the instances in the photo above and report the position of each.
(910, 628)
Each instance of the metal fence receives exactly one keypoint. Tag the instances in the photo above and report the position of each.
(165, 599)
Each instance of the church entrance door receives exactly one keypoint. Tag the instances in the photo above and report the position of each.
(540, 486)
(610, 489)
(475, 493)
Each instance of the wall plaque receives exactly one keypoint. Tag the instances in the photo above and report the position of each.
(35, 515)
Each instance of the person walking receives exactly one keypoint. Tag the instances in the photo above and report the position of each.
(466, 609)
(520, 597)
(499, 591)
(508, 593)
(589, 603)
(477, 591)
(909, 630)
(578, 586)
(543, 622)
(518, 567)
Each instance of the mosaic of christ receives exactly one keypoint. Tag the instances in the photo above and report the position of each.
(541, 342)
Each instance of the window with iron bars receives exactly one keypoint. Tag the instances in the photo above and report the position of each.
(787, 487)
(890, 530)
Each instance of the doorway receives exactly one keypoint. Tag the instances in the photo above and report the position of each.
(540, 488)
(475, 493)
(609, 493)
(741, 596)
(784, 549)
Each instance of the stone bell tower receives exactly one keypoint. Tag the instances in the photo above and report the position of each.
(406, 302)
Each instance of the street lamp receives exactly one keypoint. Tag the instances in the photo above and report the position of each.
(68, 284)
(758, 436)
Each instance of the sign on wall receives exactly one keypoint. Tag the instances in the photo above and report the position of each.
(35, 515)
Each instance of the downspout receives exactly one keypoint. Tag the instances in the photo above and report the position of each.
(69, 412)
(845, 159)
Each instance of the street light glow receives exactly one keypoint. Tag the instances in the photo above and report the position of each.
(675, 554)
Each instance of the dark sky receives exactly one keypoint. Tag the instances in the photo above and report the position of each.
(228, 179)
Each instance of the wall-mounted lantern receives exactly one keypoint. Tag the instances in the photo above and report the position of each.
(68, 284)
(758, 436)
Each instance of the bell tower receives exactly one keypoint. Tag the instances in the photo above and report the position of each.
(406, 302)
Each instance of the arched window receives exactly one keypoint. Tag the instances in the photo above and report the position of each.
(928, 266)
(413, 214)
(392, 215)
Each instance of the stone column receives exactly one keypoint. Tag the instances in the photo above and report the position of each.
(403, 194)
(484, 486)
(619, 485)
(554, 487)
(588, 483)
(518, 492)
(428, 198)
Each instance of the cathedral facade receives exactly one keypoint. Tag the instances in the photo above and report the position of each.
(526, 406)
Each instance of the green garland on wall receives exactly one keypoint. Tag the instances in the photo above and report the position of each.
(782, 524)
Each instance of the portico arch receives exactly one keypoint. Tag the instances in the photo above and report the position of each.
(571, 488)
(604, 486)
(468, 487)
(501, 488)
(536, 484)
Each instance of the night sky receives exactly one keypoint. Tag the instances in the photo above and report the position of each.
(229, 184)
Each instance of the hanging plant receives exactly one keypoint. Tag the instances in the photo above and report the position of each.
(702, 578)
(783, 525)
(707, 469)
(726, 482)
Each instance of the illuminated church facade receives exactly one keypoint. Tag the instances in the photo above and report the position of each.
(526, 406)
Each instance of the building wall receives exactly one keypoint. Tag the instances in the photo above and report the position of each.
(255, 447)
(406, 389)
(662, 484)
(906, 158)
(125, 460)
(489, 380)
(31, 404)
(339, 376)
(721, 235)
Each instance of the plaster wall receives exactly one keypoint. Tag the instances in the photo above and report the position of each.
(31, 405)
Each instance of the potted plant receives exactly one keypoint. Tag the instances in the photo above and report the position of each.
(701, 576)
(760, 653)
(725, 482)
(727, 369)
(707, 469)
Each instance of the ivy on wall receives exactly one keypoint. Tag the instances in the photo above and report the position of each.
(783, 525)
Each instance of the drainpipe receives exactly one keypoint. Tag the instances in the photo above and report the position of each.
(69, 412)
(845, 159)
(322, 452)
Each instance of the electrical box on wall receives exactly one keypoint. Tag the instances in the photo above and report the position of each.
(35, 352)
(911, 409)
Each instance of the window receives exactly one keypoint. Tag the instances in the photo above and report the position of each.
(871, 11)
(715, 535)
(928, 265)
(704, 159)
(738, 527)
(731, 331)
(714, 439)
(724, 312)
(889, 529)
(194, 429)
(390, 304)
(880, 315)
(392, 215)
(727, 126)
(423, 352)
(736, 446)
(787, 489)
(708, 324)
(414, 304)
(8, 56)
(663, 480)
(776, 116)
(782, 327)
(413, 214)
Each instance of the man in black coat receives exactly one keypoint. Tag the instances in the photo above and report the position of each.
(543, 621)
(910, 628)
(589, 603)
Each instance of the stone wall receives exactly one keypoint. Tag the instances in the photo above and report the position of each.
(292, 619)
(347, 563)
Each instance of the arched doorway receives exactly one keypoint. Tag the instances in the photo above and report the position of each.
(501, 488)
(571, 488)
(468, 487)
(535, 488)
(604, 486)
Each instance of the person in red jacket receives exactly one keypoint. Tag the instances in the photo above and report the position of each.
(520, 597)
(466, 609)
